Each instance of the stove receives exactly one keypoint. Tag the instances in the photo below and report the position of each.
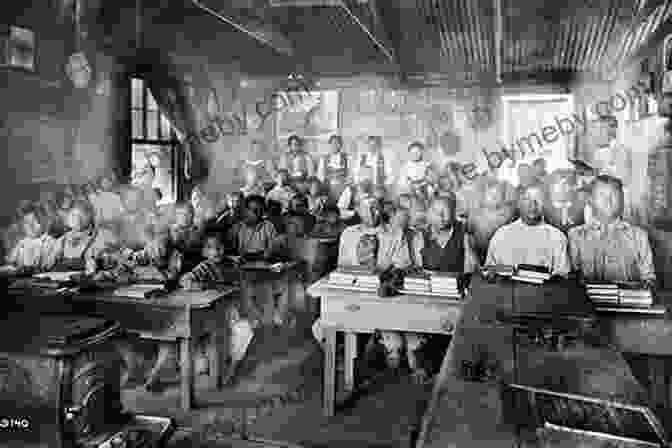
(60, 385)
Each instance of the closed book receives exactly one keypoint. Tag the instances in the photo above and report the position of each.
(602, 285)
(535, 281)
(603, 292)
(500, 269)
(532, 274)
(533, 268)
(635, 293)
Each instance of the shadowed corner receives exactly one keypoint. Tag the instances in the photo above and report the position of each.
(26, 424)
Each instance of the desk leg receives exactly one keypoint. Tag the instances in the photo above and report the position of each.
(329, 372)
(292, 284)
(266, 300)
(350, 355)
(218, 347)
(186, 374)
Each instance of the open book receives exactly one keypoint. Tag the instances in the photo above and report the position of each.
(141, 290)
(65, 276)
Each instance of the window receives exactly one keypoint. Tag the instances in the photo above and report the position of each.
(525, 117)
(154, 150)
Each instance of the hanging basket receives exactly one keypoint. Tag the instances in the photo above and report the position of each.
(78, 70)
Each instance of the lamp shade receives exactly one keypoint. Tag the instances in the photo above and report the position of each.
(78, 69)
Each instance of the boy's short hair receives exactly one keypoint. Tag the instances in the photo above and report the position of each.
(331, 209)
(282, 171)
(295, 138)
(377, 139)
(606, 179)
(255, 198)
(213, 235)
(300, 198)
(336, 138)
(416, 144)
(273, 206)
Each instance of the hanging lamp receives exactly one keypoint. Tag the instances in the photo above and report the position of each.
(78, 69)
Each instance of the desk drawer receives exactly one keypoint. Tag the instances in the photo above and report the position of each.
(365, 315)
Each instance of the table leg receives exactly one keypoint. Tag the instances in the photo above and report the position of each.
(186, 374)
(292, 284)
(329, 391)
(218, 348)
(266, 300)
(350, 355)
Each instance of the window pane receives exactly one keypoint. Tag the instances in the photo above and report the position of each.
(152, 125)
(165, 128)
(137, 88)
(151, 103)
(138, 131)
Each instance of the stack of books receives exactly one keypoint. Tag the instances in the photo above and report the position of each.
(619, 295)
(354, 277)
(603, 294)
(445, 283)
(503, 270)
(635, 297)
(530, 273)
(417, 283)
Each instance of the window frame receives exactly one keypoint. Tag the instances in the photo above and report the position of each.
(173, 142)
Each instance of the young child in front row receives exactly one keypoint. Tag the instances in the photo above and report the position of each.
(36, 251)
(209, 272)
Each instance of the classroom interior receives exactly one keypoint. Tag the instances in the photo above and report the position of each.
(233, 223)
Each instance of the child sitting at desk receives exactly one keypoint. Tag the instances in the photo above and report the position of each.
(330, 226)
(317, 197)
(233, 212)
(299, 214)
(36, 250)
(210, 272)
(274, 214)
(257, 239)
(159, 261)
(185, 235)
(79, 248)
(281, 192)
(108, 204)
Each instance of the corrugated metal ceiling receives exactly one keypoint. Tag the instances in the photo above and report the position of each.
(457, 38)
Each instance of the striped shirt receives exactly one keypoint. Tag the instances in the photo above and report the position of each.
(254, 240)
(207, 271)
(37, 253)
(615, 252)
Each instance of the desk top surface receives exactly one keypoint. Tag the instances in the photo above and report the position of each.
(323, 289)
(176, 299)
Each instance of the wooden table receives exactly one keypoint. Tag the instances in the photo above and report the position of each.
(360, 311)
(181, 317)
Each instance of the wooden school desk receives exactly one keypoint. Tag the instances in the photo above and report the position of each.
(594, 369)
(647, 340)
(181, 317)
(359, 311)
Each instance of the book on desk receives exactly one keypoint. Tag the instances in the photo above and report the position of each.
(141, 290)
(446, 284)
(623, 295)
